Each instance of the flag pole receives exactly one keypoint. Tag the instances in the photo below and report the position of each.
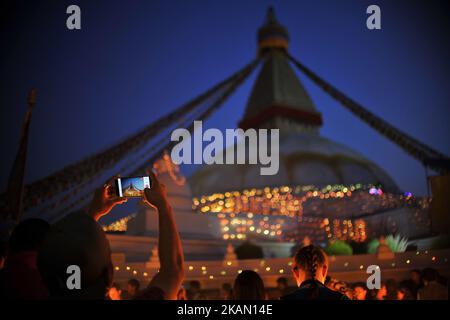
(15, 191)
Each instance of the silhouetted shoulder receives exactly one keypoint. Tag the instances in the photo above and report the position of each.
(324, 294)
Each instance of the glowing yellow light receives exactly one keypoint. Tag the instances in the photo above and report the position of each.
(239, 271)
(433, 258)
(135, 272)
(191, 268)
(145, 274)
(229, 263)
(281, 271)
(203, 268)
(223, 272)
(204, 272)
(361, 267)
(211, 277)
(117, 268)
(267, 268)
(408, 261)
(128, 268)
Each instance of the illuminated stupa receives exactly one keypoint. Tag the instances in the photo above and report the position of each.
(279, 100)
(323, 188)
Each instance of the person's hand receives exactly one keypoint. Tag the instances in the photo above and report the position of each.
(155, 196)
(104, 200)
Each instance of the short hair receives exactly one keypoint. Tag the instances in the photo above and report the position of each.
(134, 283)
(249, 286)
(282, 280)
(28, 235)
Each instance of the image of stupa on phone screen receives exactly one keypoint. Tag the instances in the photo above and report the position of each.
(134, 187)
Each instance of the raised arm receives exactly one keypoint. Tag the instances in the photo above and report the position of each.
(171, 273)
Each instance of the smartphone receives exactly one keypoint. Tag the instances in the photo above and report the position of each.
(132, 187)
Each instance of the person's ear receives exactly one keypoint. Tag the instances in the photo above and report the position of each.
(324, 270)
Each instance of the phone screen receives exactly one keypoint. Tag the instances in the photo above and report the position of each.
(132, 187)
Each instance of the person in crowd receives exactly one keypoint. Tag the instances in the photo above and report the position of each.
(415, 282)
(381, 293)
(195, 291)
(391, 290)
(133, 286)
(78, 239)
(182, 294)
(114, 292)
(432, 289)
(343, 288)
(359, 291)
(248, 285)
(403, 292)
(282, 287)
(310, 268)
(226, 292)
(20, 278)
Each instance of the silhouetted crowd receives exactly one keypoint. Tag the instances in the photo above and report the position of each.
(34, 265)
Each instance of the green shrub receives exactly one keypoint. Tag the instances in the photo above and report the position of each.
(339, 248)
(395, 243)
(372, 246)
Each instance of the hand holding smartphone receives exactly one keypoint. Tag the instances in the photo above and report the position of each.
(132, 187)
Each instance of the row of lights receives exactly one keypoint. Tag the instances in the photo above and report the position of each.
(264, 267)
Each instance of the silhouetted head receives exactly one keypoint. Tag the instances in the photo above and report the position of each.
(359, 291)
(248, 286)
(76, 240)
(28, 235)
(194, 286)
(282, 283)
(133, 286)
(226, 291)
(310, 263)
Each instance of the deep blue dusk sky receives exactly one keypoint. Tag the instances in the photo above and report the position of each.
(134, 61)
